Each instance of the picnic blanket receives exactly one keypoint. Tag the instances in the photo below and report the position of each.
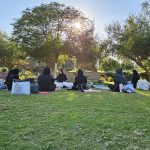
(91, 91)
(102, 87)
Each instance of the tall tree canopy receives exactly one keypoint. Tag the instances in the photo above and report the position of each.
(43, 30)
(132, 40)
(10, 53)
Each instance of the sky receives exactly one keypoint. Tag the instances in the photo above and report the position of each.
(103, 12)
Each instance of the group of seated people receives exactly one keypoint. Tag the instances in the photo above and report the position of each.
(120, 78)
(46, 81)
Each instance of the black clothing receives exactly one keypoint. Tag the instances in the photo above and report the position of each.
(135, 78)
(80, 82)
(114, 87)
(118, 79)
(46, 83)
(12, 75)
(61, 78)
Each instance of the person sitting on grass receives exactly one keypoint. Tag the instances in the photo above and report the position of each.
(12, 75)
(80, 81)
(135, 78)
(46, 81)
(61, 76)
(118, 79)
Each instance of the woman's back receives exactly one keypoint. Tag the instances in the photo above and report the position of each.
(119, 77)
(46, 81)
(80, 80)
(61, 78)
(14, 74)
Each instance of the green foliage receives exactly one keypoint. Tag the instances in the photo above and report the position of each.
(62, 59)
(110, 64)
(74, 120)
(131, 40)
(10, 53)
(26, 75)
(127, 65)
(43, 31)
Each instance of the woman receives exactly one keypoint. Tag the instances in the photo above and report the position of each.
(46, 81)
(80, 81)
(61, 76)
(118, 79)
(12, 75)
(135, 78)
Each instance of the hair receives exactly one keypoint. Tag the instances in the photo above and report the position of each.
(119, 71)
(46, 71)
(14, 72)
(80, 73)
(135, 72)
(61, 71)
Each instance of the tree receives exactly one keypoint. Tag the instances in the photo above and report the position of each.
(98, 51)
(132, 40)
(43, 30)
(109, 64)
(10, 53)
(127, 65)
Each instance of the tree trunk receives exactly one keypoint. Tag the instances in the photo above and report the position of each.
(55, 70)
(97, 65)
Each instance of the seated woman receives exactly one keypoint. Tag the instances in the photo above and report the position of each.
(61, 76)
(12, 75)
(118, 79)
(80, 81)
(135, 78)
(46, 81)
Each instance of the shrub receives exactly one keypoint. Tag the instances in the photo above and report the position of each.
(4, 70)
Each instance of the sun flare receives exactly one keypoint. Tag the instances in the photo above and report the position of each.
(77, 25)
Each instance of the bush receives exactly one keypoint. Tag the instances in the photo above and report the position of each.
(4, 70)
(26, 75)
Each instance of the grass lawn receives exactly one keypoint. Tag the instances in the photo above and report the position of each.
(73, 120)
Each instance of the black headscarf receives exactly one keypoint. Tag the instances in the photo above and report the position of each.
(135, 73)
(46, 71)
(135, 78)
(14, 72)
(80, 78)
(80, 73)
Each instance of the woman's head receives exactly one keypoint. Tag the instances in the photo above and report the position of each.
(134, 72)
(14, 71)
(80, 72)
(119, 71)
(61, 71)
(46, 71)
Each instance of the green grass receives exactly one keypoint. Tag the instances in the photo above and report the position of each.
(73, 120)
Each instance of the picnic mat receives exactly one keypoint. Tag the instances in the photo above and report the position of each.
(91, 91)
(43, 92)
(102, 87)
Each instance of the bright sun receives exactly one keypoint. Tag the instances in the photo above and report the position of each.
(77, 25)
